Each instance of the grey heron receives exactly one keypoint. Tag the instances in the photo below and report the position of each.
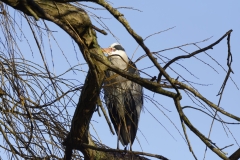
(123, 98)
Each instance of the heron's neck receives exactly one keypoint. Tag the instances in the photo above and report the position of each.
(119, 59)
(120, 55)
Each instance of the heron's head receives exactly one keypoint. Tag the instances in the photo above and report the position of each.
(117, 47)
(115, 50)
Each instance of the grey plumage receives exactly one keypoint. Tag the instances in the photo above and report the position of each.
(124, 98)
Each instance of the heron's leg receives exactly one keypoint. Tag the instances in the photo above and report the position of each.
(119, 127)
(129, 137)
(130, 141)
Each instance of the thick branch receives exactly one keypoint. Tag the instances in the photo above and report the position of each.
(235, 155)
(77, 24)
(152, 86)
(197, 94)
(199, 134)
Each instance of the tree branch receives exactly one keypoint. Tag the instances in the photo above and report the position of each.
(193, 53)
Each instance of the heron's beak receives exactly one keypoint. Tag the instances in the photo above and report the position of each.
(107, 50)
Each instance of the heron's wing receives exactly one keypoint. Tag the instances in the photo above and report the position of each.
(136, 89)
(124, 100)
(134, 97)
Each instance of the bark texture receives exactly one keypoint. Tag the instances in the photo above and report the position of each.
(77, 24)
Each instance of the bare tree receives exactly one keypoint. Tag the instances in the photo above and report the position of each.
(33, 127)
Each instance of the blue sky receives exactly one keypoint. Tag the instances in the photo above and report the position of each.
(193, 21)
